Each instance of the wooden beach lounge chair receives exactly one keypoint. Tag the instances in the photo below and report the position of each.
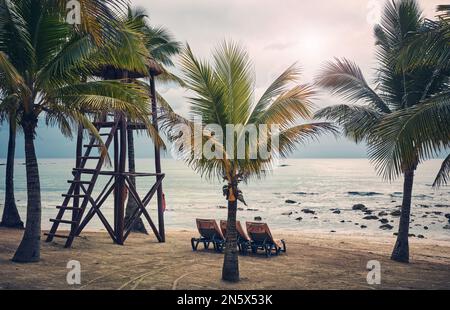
(243, 240)
(261, 239)
(209, 233)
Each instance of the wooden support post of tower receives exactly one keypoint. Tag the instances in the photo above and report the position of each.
(77, 177)
(157, 158)
(122, 192)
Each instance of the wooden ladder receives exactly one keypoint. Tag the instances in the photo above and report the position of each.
(74, 195)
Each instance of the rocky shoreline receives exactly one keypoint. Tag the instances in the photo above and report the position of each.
(385, 217)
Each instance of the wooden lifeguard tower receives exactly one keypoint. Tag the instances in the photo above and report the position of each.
(79, 200)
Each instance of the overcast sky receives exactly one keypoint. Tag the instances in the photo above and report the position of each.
(276, 34)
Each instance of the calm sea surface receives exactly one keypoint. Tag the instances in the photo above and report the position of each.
(315, 184)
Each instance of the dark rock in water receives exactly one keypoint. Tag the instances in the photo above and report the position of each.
(368, 212)
(447, 215)
(396, 213)
(382, 213)
(248, 209)
(357, 224)
(384, 221)
(308, 211)
(315, 217)
(424, 215)
(337, 211)
(420, 236)
(397, 194)
(425, 227)
(258, 218)
(304, 193)
(359, 207)
(342, 221)
(283, 165)
(437, 213)
(299, 218)
(370, 217)
(411, 235)
(395, 234)
(287, 213)
(290, 201)
(221, 207)
(363, 226)
(442, 206)
(424, 206)
(422, 196)
(332, 231)
(240, 209)
(386, 227)
(363, 193)
(447, 226)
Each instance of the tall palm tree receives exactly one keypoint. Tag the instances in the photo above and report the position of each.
(399, 87)
(428, 124)
(43, 60)
(223, 94)
(8, 112)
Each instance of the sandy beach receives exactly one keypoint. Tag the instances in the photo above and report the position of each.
(325, 261)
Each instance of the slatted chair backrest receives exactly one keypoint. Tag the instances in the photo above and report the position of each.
(259, 232)
(209, 229)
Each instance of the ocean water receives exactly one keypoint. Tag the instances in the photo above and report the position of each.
(315, 184)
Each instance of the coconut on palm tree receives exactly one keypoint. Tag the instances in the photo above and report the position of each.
(45, 62)
(222, 95)
(398, 88)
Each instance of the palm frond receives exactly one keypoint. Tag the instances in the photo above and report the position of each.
(300, 134)
(199, 77)
(357, 121)
(9, 76)
(289, 107)
(279, 86)
(444, 173)
(345, 78)
(234, 77)
(406, 137)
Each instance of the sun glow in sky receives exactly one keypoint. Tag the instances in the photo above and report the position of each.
(311, 45)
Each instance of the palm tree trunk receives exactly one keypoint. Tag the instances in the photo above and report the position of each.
(401, 248)
(132, 206)
(29, 248)
(230, 270)
(11, 217)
